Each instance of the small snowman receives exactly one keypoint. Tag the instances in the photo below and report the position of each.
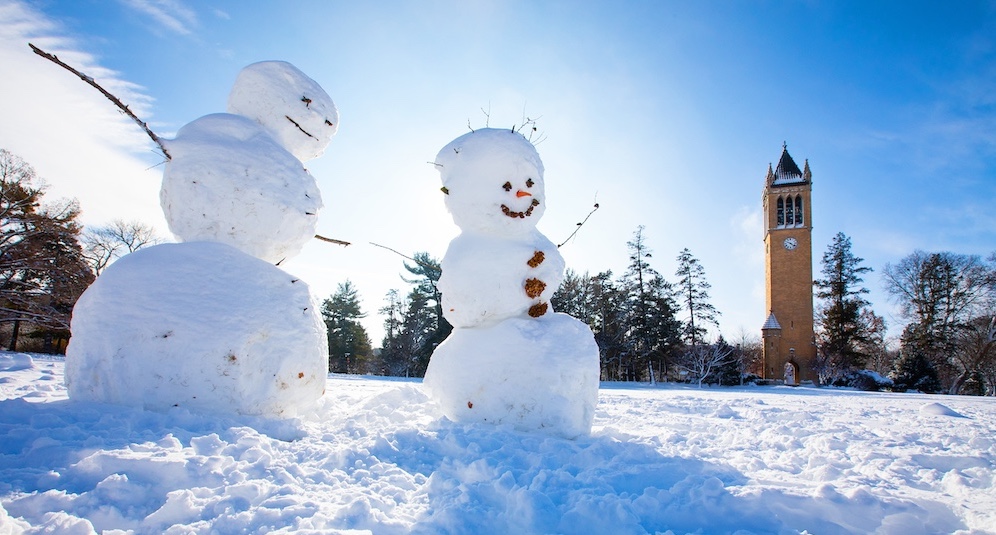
(211, 323)
(510, 358)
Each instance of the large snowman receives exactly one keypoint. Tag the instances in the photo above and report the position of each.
(510, 358)
(211, 323)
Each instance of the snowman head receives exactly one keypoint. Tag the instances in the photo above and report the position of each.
(296, 111)
(493, 181)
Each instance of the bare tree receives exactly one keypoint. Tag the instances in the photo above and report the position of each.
(941, 293)
(701, 360)
(748, 354)
(103, 245)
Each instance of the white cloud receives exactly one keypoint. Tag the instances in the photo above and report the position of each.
(173, 15)
(76, 139)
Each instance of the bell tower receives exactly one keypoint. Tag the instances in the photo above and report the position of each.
(789, 346)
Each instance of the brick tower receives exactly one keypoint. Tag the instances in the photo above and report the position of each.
(789, 349)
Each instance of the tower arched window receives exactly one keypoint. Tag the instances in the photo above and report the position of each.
(789, 212)
(781, 212)
(798, 211)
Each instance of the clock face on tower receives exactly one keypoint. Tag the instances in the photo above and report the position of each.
(790, 243)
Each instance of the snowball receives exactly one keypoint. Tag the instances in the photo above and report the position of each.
(494, 181)
(198, 325)
(291, 106)
(533, 373)
(484, 277)
(229, 181)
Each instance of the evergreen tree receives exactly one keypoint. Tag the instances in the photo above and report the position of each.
(42, 270)
(415, 325)
(914, 371)
(651, 330)
(693, 291)
(842, 333)
(608, 323)
(576, 297)
(349, 344)
(425, 322)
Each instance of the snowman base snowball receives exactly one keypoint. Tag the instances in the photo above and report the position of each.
(535, 374)
(201, 326)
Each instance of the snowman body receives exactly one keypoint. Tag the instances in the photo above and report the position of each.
(211, 324)
(510, 360)
(230, 181)
(503, 268)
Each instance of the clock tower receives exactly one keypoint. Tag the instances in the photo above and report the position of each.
(789, 346)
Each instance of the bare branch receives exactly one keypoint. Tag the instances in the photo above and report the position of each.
(402, 255)
(117, 102)
(581, 224)
(332, 240)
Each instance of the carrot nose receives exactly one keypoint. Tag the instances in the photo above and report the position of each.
(521, 193)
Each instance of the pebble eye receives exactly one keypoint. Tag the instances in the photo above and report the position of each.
(529, 183)
(328, 122)
(307, 102)
(507, 186)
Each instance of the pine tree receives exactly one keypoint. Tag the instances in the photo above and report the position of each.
(693, 291)
(349, 344)
(651, 329)
(914, 371)
(842, 333)
(42, 270)
(428, 312)
(414, 325)
(608, 323)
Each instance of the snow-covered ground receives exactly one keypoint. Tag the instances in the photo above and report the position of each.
(377, 459)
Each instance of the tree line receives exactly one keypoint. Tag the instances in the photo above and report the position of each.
(948, 342)
(647, 328)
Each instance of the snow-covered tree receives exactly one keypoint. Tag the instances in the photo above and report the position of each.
(701, 361)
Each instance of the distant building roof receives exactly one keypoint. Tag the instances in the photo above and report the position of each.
(771, 323)
(787, 171)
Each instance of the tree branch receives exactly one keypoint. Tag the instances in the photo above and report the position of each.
(581, 224)
(117, 102)
(423, 264)
(332, 240)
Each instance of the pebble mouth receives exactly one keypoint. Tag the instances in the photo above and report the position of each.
(520, 215)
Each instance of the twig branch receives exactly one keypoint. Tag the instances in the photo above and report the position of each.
(581, 224)
(402, 255)
(332, 240)
(117, 102)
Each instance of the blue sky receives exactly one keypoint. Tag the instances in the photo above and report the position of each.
(667, 113)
